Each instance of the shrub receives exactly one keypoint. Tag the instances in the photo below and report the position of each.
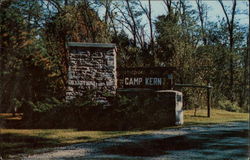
(54, 113)
(142, 110)
(130, 111)
(228, 106)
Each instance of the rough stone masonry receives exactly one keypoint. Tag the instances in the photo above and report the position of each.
(91, 66)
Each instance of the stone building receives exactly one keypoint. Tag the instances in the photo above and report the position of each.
(91, 66)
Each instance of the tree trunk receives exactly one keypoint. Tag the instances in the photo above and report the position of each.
(134, 29)
(201, 17)
(230, 27)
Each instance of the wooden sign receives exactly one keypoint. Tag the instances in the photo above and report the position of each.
(141, 81)
(154, 78)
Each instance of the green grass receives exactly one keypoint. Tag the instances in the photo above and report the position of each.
(216, 116)
(13, 141)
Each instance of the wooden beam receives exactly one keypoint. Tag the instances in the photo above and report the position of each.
(90, 45)
(192, 85)
(208, 87)
(147, 69)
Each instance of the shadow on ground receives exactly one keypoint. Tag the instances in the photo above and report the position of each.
(196, 142)
(11, 143)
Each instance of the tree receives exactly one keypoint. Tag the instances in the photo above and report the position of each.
(148, 13)
(33, 54)
(230, 27)
(130, 18)
(177, 41)
(22, 75)
(202, 14)
(75, 22)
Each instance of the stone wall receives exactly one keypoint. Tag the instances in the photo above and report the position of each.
(91, 66)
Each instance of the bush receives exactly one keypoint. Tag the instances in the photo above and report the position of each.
(228, 106)
(54, 113)
(142, 110)
(131, 111)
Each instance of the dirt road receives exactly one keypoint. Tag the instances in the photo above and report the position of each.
(223, 141)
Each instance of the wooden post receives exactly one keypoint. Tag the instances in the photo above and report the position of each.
(208, 87)
(208, 99)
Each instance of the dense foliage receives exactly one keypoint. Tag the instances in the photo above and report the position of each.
(33, 55)
(124, 113)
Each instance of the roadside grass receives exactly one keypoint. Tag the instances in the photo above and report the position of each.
(216, 116)
(14, 141)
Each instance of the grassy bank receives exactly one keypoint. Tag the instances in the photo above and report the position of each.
(13, 141)
(217, 116)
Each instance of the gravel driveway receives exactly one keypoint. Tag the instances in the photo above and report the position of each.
(223, 141)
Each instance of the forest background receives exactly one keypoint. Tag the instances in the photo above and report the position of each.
(33, 59)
